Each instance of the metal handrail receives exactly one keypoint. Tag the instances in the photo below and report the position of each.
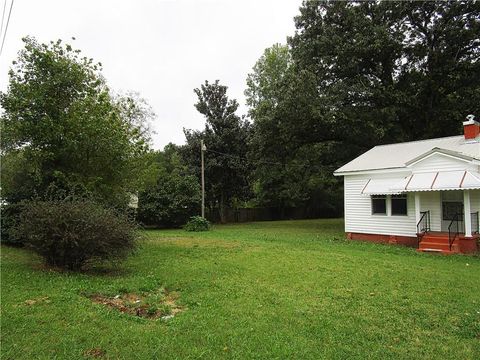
(423, 224)
(451, 234)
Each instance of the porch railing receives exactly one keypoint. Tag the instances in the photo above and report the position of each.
(475, 223)
(423, 225)
(454, 229)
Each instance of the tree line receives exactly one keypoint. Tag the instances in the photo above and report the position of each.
(353, 75)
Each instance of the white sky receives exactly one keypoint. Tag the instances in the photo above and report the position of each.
(161, 49)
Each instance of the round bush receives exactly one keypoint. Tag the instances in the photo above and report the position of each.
(69, 234)
(197, 223)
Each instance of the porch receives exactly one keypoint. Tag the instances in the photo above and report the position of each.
(456, 226)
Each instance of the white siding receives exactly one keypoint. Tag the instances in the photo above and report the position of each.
(358, 211)
(431, 201)
(475, 200)
(441, 162)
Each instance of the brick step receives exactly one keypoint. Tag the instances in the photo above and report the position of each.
(434, 241)
(436, 237)
(436, 245)
(437, 251)
(436, 233)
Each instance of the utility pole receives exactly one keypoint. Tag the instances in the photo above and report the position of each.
(203, 148)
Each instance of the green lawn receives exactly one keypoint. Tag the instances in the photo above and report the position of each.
(290, 289)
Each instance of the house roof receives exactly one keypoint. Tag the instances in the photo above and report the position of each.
(397, 156)
(440, 180)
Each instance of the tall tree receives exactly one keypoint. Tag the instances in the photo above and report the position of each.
(438, 71)
(364, 73)
(62, 122)
(286, 110)
(226, 136)
(394, 70)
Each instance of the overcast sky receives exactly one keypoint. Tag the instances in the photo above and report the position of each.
(161, 49)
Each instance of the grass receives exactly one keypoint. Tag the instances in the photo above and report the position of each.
(276, 290)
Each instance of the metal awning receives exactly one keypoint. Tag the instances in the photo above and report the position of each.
(440, 180)
(381, 187)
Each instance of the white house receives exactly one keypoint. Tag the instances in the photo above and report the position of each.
(422, 193)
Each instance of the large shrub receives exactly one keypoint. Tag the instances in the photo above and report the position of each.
(72, 233)
(171, 202)
(197, 223)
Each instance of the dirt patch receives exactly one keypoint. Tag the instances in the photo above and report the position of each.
(31, 302)
(95, 353)
(159, 304)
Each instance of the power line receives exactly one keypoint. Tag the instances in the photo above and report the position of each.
(3, 16)
(242, 158)
(6, 27)
(290, 165)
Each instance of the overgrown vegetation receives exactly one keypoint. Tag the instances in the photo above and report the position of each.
(72, 233)
(65, 132)
(175, 195)
(270, 290)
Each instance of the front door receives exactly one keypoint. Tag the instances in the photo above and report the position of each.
(452, 204)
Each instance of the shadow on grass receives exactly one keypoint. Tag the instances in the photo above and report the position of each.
(104, 269)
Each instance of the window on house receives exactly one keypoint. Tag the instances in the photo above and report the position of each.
(379, 205)
(399, 204)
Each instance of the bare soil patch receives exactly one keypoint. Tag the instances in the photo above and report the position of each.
(95, 353)
(159, 304)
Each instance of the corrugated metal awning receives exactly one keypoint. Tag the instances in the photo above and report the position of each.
(441, 180)
(381, 186)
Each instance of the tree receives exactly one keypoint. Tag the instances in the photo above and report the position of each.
(226, 135)
(393, 70)
(361, 73)
(265, 83)
(63, 124)
(175, 195)
(439, 78)
(289, 166)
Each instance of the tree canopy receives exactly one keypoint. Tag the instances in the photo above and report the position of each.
(356, 74)
(63, 127)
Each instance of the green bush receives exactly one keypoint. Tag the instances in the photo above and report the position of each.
(197, 223)
(9, 217)
(71, 233)
(171, 201)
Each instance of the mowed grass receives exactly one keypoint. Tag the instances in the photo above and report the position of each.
(270, 290)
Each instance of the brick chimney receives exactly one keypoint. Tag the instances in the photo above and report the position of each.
(471, 128)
